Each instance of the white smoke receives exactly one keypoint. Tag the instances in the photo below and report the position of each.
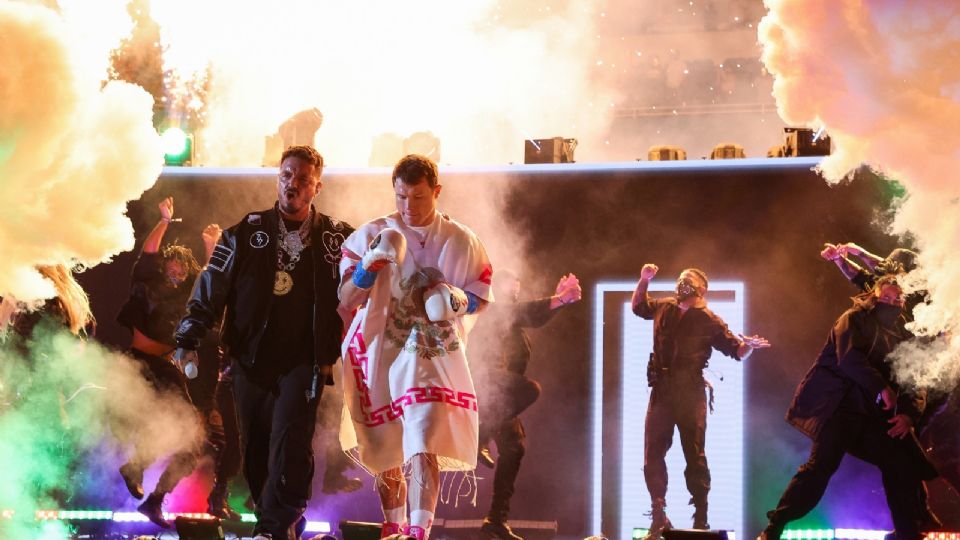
(883, 77)
(482, 76)
(73, 151)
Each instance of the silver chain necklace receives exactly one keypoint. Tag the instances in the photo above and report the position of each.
(291, 243)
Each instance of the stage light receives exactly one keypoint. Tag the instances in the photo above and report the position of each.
(666, 152)
(553, 150)
(802, 142)
(727, 151)
(777, 151)
(424, 143)
(298, 130)
(386, 150)
(177, 146)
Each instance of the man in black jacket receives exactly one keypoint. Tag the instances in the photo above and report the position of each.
(848, 403)
(685, 332)
(276, 275)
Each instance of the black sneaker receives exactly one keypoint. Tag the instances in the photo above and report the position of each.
(499, 529)
(152, 507)
(218, 505)
(133, 478)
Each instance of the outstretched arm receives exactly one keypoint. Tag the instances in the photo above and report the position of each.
(849, 268)
(155, 238)
(211, 235)
(870, 260)
(642, 305)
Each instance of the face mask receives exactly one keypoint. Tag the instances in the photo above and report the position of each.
(887, 314)
(685, 290)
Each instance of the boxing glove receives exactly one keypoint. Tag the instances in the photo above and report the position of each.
(389, 246)
(443, 302)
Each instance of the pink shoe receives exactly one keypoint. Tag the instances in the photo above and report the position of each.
(389, 528)
(416, 531)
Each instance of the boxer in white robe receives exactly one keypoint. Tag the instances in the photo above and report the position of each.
(415, 280)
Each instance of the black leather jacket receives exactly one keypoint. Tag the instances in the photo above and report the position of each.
(238, 284)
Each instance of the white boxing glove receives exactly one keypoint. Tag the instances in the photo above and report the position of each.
(389, 246)
(443, 302)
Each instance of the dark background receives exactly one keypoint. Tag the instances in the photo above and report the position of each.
(752, 221)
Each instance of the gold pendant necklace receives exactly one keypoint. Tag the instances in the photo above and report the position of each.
(282, 283)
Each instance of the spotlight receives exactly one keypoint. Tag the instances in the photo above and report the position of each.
(386, 150)
(553, 150)
(177, 147)
(777, 151)
(666, 153)
(299, 129)
(727, 151)
(424, 143)
(804, 142)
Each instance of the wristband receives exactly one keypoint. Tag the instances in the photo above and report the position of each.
(473, 303)
(363, 279)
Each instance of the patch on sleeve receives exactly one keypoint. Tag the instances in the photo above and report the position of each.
(220, 258)
(254, 219)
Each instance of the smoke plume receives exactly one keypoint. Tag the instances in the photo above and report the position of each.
(73, 151)
(883, 77)
(482, 76)
(62, 400)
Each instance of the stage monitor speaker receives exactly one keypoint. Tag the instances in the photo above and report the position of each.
(696, 534)
(469, 529)
(359, 530)
(801, 142)
(199, 529)
(554, 150)
(666, 152)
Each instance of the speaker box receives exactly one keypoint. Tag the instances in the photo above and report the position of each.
(198, 529)
(696, 534)
(360, 530)
(554, 150)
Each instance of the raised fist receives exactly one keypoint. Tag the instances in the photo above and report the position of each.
(166, 208)
(568, 289)
(829, 252)
(211, 234)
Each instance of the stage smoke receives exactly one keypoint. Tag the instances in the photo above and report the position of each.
(882, 77)
(73, 150)
(481, 76)
(63, 402)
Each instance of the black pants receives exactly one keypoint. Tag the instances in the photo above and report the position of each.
(683, 406)
(229, 457)
(164, 376)
(277, 419)
(865, 438)
(509, 394)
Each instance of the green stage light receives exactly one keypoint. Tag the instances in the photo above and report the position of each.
(177, 146)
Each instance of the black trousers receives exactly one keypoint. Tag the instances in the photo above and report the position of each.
(509, 394)
(277, 417)
(229, 458)
(164, 376)
(684, 406)
(864, 438)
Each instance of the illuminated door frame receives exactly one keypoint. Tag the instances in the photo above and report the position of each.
(597, 390)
